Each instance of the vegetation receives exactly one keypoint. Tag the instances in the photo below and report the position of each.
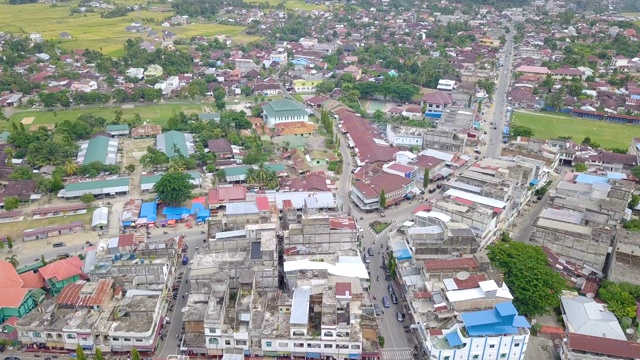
(263, 177)
(383, 199)
(580, 167)
(11, 203)
(425, 180)
(553, 126)
(635, 201)
(87, 199)
(174, 188)
(379, 226)
(621, 298)
(535, 286)
(381, 341)
(13, 260)
(519, 130)
(80, 353)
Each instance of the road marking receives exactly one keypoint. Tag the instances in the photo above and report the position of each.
(396, 354)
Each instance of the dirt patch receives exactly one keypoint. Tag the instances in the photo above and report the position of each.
(28, 120)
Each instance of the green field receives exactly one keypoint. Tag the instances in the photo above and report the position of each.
(292, 4)
(550, 126)
(157, 114)
(90, 31)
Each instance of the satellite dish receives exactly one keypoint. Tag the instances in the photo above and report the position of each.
(462, 275)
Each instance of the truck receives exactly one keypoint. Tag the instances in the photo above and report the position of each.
(185, 260)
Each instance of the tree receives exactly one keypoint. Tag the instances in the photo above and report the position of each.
(263, 177)
(174, 188)
(87, 199)
(80, 353)
(130, 168)
(635, 200)
(636, 171)
(13, 260)
(98, 355)
(11, 203)
(135, 355)
(535, 286)
(43, 260)
(383, 199)
(2, 245)
(620, 298)
(580, 167)
(9, 243)
(425, 180)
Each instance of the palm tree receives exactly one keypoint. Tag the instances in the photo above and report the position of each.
(12, 260)
(70, 168)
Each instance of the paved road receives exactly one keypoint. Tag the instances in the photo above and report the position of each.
(494, 136)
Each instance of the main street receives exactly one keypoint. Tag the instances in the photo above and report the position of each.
(494, 138)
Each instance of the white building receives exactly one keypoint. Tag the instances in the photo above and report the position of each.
(499, 333)
(447, 85)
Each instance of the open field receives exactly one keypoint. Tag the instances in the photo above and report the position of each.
(90, 31)
(550, 126)
(15, 229)
(156, 113)
(292, 4)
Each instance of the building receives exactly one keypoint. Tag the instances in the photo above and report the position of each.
(108, 187)
(146, 130)
(62, 210)
(624, 265)
(438, 237)
(174, 143)
(408, 171)
(585, 316)
(148, 181)
(222, 195)
(499, 333)
(118, 129)
(366, 194)
(437, 101)
(52, 231)
(61, 273)
(285, 110)
(221, 147)
(307, 85)
(320, 234)
(99, 149)
(20, 293)
(362, 137)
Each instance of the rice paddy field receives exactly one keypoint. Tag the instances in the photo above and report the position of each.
(90, 31)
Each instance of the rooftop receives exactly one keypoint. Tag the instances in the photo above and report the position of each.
(587, 317)
(504, 319)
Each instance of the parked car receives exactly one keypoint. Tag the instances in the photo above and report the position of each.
(390, 289)
(400, 316)
(2, 348)
(385, 302)
(11, 358)
(366, 259)
(377, 310)
(394, 298)
(63, 256)
(59, 244)
(370, 251)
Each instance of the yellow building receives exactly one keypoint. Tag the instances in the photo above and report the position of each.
(490, 42)
(305, 85)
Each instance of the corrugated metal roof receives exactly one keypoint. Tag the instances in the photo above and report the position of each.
(100, 216)
(300, 306)
(98, 187)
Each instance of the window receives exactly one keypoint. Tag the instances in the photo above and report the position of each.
(241, 342)
(503, 355)
(138, 340)
(227, 342)
(447, 357)
(268, 344)
(283, 344)
(516, 344)
(116, 339)
(214, 341)
(298, 345)
(476, 357)
(37, 334)
(298, 333)
(328, 334)
(328, 346)
(342, 346)
(313, 346)
(126, 339)
(355, 347)
(492, 346)
(212, 330)
(71, 336)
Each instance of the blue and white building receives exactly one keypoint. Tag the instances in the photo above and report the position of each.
(499, 333)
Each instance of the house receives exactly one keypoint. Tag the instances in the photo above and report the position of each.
(137, 73)
(366, 194)
(22, 189)
(153, 71)
(312, 182)
(446, 85)
(533, 70)
(490, 42)
(221, 147)
(281, 111)
(146, 130)
(266, 89)
(61, 273)
(215, 117)
(111, 187)
(619, 61)
(436, 101)
(20, 293)
(99, 149)
(585, 316)
(175, 143)
(118, 129)
(85, 85)
(306, 85)
(296, 128)
(246, 65)
(354, 71)
(223, 195)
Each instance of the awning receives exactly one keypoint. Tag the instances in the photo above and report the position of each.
(141, 221)
(534, 182)
(454, 339)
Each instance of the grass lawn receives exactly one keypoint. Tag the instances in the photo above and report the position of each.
(552, 125)
(15, 229)
(157, 113)
(90, 31)
(379, 226)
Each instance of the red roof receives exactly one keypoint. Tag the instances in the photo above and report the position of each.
(342, 223)
(32, 280)
(343, 289)
(599, 345)
(422, 207)
(226, 194)
(435, 332)
(125, 240)
(470, 283)
(263, 203)
(287, 204)
(437, 98)
(422, 295)
(11, 321)
(364, 137)
(62, 269)
(12, 298)
(544, 329)
(427, 162)
(456, 264)
(86, 294)
(9, 278)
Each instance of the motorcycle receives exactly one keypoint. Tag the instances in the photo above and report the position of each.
(203, 232)
(165, 232)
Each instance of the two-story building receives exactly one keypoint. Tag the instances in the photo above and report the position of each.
(366, 194)
(281, 111)
(61, 273)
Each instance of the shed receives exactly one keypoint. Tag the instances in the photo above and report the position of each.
(100, 218)
(118, 129)
(100, 187)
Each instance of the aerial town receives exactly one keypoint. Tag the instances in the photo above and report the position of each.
(320, 179)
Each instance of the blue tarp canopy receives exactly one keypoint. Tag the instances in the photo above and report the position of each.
(453, 338)
(534, 182)
(175, 213)
(126, 223)
(203, 215)
(402, 254)
(196, 207)
(149, 210)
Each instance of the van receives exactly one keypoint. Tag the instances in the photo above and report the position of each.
(59, 244)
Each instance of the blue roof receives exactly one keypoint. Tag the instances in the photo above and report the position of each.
(534, 182)
(402, 254)
(506, 130)
(616, 175)
(504, 319)
(453, 338)
(591, 179)
(149, 210)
